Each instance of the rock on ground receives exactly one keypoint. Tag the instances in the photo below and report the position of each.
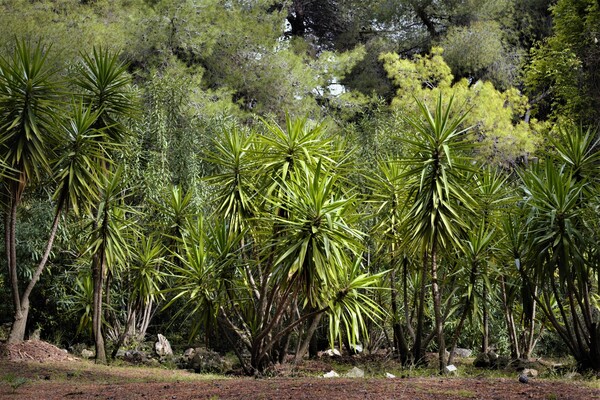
(355, 373)
(205, 361)
(163, 347)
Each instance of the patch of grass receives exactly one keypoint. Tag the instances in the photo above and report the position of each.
(15, 381)
(593, 383)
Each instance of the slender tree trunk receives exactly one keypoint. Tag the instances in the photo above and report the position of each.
(314, 324)
(98, 265)
(399, 339)
(486, 323)
(418, 346)
(531, 340)
(437, 308)
(463, 317)
(510, 321)
(126, 330)
(147, 315)
(8, 243)
(17, 332)
(407, 314)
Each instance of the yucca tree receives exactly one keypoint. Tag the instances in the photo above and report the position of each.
(289, 253)
(171, 217)
(476, 253)
(388, 196)
(105, 86)
(144, 290)
(76, 177)
(108, 246)
(578, 148)
(560, 264)
(519, 295)
(435, 169)
(236, 194)
(491, 196)
(29, 104)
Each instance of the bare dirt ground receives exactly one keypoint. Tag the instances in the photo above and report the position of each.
(38, 370)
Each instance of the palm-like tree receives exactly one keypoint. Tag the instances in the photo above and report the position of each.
(436, 195)
(76, 176)
(104, 82)
(388, 195)
(577, 148)
(28, 107)
(288, 256)
(236, 195)
(561, 262)
(491, 196)
(144, 289)
(108, 244)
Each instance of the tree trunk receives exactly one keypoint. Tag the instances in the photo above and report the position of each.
(407, 313)
(399, 339)
(17, 332)
(485, 340)
(307, 340)
(8, 243)
(463, 317)
(510, 322)
(531, 340)
(437, 308)
(418, 346)
(98, 265)
(127, 330)
(145, 322)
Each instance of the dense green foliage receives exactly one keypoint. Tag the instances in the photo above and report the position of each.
(254, 174)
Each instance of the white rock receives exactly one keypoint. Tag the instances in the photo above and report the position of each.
(331, 374)
(460, 352)
(355, 373)
(163, 347)
(530, 372)
(85, 353)
(388, 375)
(451, 368)
(357, 348)
(332, 352)
(189, 353)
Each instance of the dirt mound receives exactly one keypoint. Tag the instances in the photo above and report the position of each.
(33, 350)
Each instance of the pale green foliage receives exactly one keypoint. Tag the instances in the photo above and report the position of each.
(71, 26)
(15, 381)
(478, 51)
(472, 48)
(493, 115)
(80, 302)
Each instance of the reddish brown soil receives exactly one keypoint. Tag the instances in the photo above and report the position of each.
(53, 374)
